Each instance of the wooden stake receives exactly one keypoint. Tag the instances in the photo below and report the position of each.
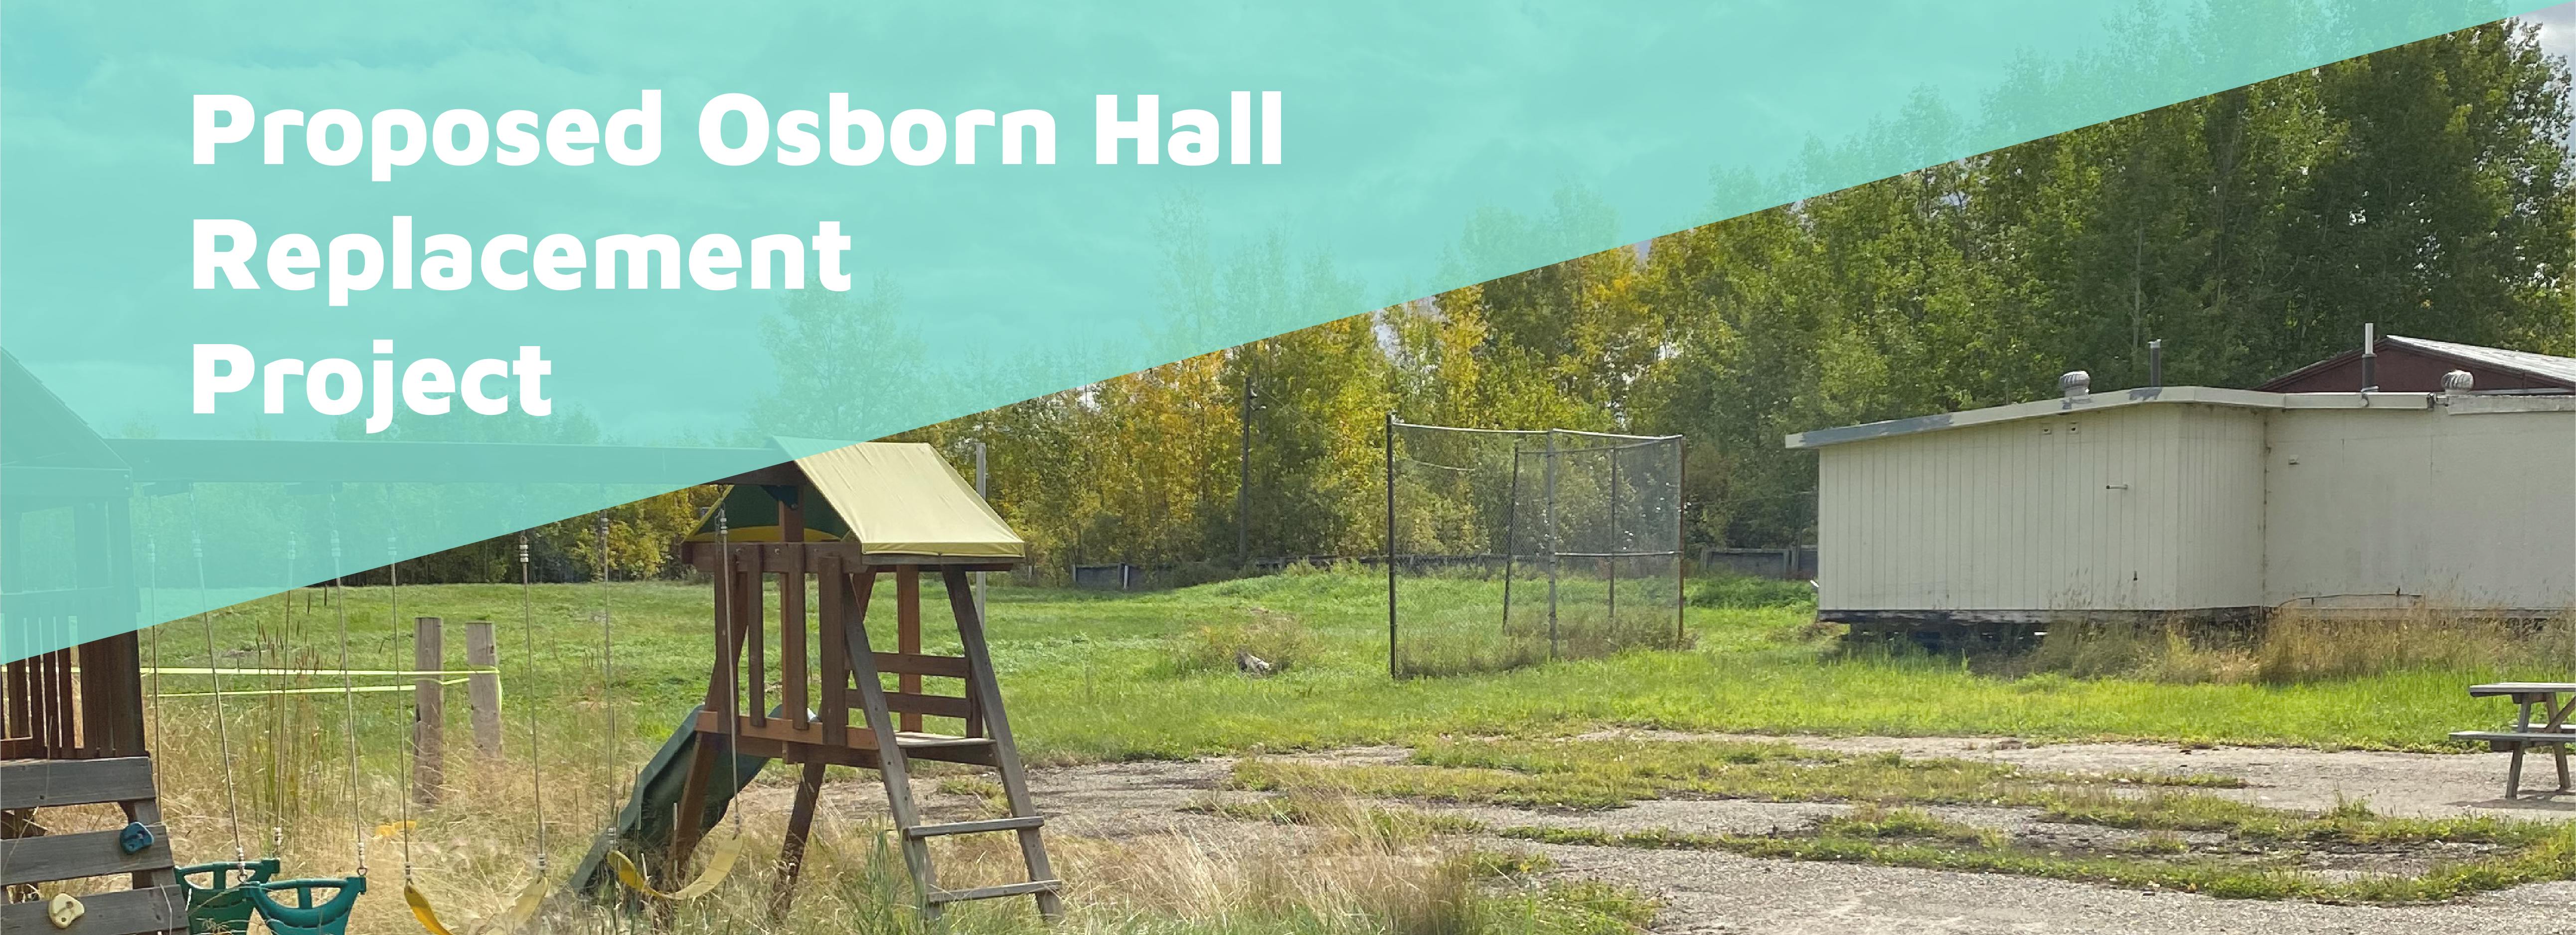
(429, 711)
(907, 621)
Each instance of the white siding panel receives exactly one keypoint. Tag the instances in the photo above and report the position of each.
(2392, 508)
(2105, 509)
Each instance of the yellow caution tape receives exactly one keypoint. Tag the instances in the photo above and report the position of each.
(325, 690)
(285, 673)
(717, 867)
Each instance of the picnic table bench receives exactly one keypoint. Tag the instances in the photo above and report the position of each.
(2553, 729)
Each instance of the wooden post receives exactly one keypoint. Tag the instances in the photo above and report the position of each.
(483, 689)
(792, 674)
(429, 711)
(111, 695)
(981, 683)
(800, 826)
(907, 615)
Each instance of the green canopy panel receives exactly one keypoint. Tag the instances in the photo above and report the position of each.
(893, 498)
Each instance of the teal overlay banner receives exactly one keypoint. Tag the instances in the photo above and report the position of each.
(1354, 156)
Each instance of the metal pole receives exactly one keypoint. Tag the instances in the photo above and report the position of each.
(1681, 561)
(1511, 536)
(1392, 669)
(984, 492)
(1611, 564)
(2370, 357)
(1547, 524)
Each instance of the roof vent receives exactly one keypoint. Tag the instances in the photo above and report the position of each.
(2458, 382)
(2076, 385)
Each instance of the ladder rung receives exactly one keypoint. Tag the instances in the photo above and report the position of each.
(975, 827)
(908, 740)
(996, 892)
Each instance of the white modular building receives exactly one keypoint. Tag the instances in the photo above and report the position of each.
(2202, 502)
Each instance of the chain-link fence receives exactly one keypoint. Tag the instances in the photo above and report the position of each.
(1507, 548)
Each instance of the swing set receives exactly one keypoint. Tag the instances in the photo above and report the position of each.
(72, 729)
(223, 896)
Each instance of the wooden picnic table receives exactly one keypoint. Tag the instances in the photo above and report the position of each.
(2553, 729)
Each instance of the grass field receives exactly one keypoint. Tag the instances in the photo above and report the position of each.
(1103, 677)
(1094, 676)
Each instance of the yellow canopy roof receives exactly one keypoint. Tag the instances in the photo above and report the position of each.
(902, 498)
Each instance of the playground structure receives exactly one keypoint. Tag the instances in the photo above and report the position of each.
(76, 722)
(838, 521)
(71, 720)
(75, 738)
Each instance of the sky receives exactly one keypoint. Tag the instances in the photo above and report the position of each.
(2557, 28)
(2557, 33)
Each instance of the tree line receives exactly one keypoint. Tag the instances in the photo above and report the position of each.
(2426, 188)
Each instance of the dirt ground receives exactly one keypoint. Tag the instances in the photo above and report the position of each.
(1716, 892)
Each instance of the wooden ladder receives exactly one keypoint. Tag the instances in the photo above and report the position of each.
(894, 766)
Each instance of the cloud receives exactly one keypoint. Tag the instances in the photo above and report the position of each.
(2557, 28)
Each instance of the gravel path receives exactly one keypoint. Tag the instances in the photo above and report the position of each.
(2421, 784)
(1716, 892)
(1707, 892)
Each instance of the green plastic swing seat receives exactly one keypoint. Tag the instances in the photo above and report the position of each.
(222, 905)
(305, 918)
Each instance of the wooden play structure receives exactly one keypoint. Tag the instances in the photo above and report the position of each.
(75, 738)
(71, 720)
(842, 520)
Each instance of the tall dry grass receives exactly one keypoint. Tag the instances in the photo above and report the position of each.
(2300, 646)
(474, 851)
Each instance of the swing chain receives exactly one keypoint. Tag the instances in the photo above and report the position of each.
(536, 769)
(348, 688)
(214, 672)
(733, 725)
(277, 828)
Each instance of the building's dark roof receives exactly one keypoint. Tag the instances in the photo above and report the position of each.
(2537, 366)
(2415, 365)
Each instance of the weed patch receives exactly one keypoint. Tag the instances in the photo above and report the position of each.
(2293, 647)
(2248, 851)
(1263, 642)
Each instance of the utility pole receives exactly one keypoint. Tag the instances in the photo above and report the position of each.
(1243, 468)
(1394, 664)
(983, 491)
